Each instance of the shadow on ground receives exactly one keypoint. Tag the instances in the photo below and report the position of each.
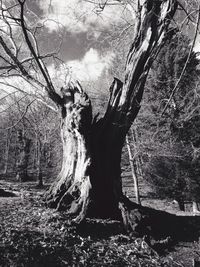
(160, 224)
(156, 224)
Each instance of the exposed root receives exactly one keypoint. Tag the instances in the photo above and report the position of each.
(74, 199)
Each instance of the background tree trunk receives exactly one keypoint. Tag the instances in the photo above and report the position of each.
(134, 172)
(23, 157)
(7, 148)
(39, 169)
(138, 158)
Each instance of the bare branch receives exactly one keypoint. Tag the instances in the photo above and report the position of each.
(23, 115)
(49, 88)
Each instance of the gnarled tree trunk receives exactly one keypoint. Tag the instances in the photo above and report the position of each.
(72, 186)
(90, 180)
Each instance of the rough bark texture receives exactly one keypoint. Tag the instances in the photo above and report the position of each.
(90, 180)
(133, 171)
(71, 189)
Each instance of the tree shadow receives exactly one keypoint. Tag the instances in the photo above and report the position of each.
(4, 193)
(156, 224)
(99, 228)
(160, 224)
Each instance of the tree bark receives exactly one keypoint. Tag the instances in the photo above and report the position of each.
(138, 158)
(23, 157)
(7, 149)
(134, 172)
(72, 186)
(39, 170)
(90, 179)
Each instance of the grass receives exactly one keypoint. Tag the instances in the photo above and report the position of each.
(32, 235)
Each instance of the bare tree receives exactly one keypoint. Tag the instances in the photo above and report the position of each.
(89, 183)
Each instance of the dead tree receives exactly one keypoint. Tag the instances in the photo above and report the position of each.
(89, 183)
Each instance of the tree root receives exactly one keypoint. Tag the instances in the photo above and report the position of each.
(74, 199)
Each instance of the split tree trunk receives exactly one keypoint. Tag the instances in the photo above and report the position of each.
(90, 179)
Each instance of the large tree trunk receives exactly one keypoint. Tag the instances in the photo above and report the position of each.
(90, 179)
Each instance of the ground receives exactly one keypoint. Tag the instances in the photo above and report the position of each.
(32, 235)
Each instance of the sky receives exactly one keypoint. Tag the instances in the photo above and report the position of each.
(81, 32)
(82, 29)
(85, 50)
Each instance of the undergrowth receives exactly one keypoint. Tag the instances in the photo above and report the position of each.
(32, 235)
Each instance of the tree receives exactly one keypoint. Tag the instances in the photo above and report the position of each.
(33, 143)
(107, 135)
(171, 171)
(89, 182)
(7, 148)
(134, 170)
(23, 152)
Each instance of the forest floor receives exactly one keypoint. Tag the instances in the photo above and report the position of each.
(32, 235)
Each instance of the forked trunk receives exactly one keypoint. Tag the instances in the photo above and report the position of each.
(90, 179)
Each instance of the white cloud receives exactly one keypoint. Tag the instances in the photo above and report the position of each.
(89, 68)
(79, 15)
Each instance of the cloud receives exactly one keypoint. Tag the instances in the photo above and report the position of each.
(89, 68)
(80, 16)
